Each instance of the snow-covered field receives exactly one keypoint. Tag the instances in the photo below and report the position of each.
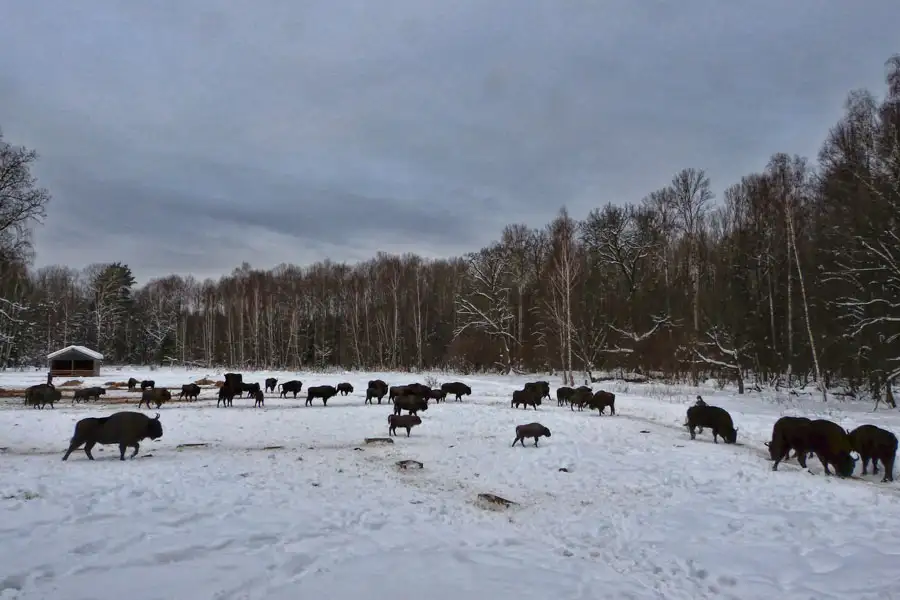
(643, 512)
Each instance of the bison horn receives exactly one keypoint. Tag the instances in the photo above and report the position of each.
(854, 459)
(766, 443)
(156, 418)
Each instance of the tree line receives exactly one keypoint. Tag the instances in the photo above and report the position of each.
(791, 278)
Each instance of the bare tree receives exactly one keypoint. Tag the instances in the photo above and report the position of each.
(22, 203)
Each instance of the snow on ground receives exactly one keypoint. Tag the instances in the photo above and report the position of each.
(643, 512)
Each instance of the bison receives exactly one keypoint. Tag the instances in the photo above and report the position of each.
(147, 383)
(874, 443)
(531, 430)
(713, 417)
(540, 388)
(126, 428)
(600, 400)
(157, 396)
(250, 389)
(418, 389)
(378, 384)
(563, 395)
(325, 392)
(226, 397)
(271, 382)
(580, 398)
(410, 403)
(86, 394)
(41, 395)
(831, 444)
(788, 433)
(457, 388)
(525, 398)
(132, 383)
(344, 388)
(438, 395)
(259, 399)
(291, 386)
(395, 391)
(374, 392)
(404, 422)
(189, 391)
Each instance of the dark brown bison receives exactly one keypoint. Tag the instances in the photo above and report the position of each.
(271, 382)
(292, 386)
(831, 445)
(147, 383)
(406, 422)
(525, 398)
(540, 388)
(715, 418)
(788, 433)
(39, 396)
(325, 392)
(126, 428)
(580, 398)
(412, 404)
(531, 430)
(344, 388)
(259, 399)
(563, 395)
(156, 395)
(395, 391)
(250, 389)
(374, 392)
(437, 395)
(132, 384)
(189, 391)
(600, 400)
(874, 443)
(417, 389)
(457, 388)
(86, 394)
(379, 384)
(226, 397)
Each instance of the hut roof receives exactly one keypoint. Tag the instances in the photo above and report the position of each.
(79, 349)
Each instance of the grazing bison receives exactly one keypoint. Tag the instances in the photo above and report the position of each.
(874, 443)
(531, 430)
(132, 383)
(412, 404)
(86, 394)
(404, 422)
(379, 384)
(344, 388)
(788, 433)
(457, 388)
(189, 391)
(525, 398)
(41, 395)
(259, 399)
(713, 417)
(601, 400)
(290, 386)
(580, 398)
(271, 382)
(226, 397)
(374, 392)
(147, 383)
(831, 444)
(563, 395)
(438, 395)
(540, 388)
(250, 389)
(126, 428)
(157, 396)
(325, 392)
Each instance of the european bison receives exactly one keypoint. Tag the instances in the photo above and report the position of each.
(226, 397)
(126, 428)
(157, 396)
(404, 422)
(874, 443)
(580, 398)
(189, 391)
(147, 383)
(374, 392)
(396, 390)
(540, 388)
(344, 388)
(290, 386)
(233, 386)
(788, 433)
(271, 382)
(250, 389)
(525, 398)
(436, 394)
(410, 403)
(325, 392)
(531, 430)
(378, 384)
(713, 417)
(563, 395)
(132, 383)
(86, 394)
(259, 399)
(41, 395)
(600, 400)
(418, 389)
(457, 388)
(831, 445)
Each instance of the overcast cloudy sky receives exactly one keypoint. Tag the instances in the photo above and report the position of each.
(189, 136)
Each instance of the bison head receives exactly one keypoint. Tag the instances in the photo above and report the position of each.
(154, 428)
(546, 432)
(165, 394)
(467, 389)
(845, 464)
(731, 436)
(415, 420)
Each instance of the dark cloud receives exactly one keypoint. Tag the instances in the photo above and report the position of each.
(198, 135)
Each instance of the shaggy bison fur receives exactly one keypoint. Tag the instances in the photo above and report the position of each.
(601, 400)
(831, 445)
(406, 422)
(395, 391)
(788, 433)
(189, 391)
(271, 382)
(531, 430)
(325, 392)
(563, 395)
(132, 383)
(540, 388)
(41, 395)
(525, 398)
(294, 386)
(874, 443)
(410, 403)
(259, 399)
(157, 396)
(378, 384)
(580, 398)
(226, 397)
(713, 417)
(344, 388)
(250, 389)
(457, 388)
(126, 428)
(374, 392)
(86, 394)
(147, 383)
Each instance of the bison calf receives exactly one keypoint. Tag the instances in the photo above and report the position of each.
(344, 388)
(126, 428)
(874, 443)
(147, 383)
(259, 398)
(88, 393)
(788, 433)
(404, 422)
(531, 430)
(271, 382)
(713, 417)
(189, 391)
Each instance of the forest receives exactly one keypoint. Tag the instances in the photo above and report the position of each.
(791, 277)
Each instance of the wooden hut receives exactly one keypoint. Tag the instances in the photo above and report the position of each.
(74, 361)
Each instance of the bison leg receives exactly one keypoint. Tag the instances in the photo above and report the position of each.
(874, 466)
(137, 448)
(784, 456)
(865, 462)
(73, 445)
(801, 457)
(518, 439)
(324, 401)
(87, 449)
(408, 429)
(888, 469)
(824, 463)
(535, 441)
(693, 434)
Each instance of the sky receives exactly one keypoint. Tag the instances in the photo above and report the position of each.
(189, 136)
